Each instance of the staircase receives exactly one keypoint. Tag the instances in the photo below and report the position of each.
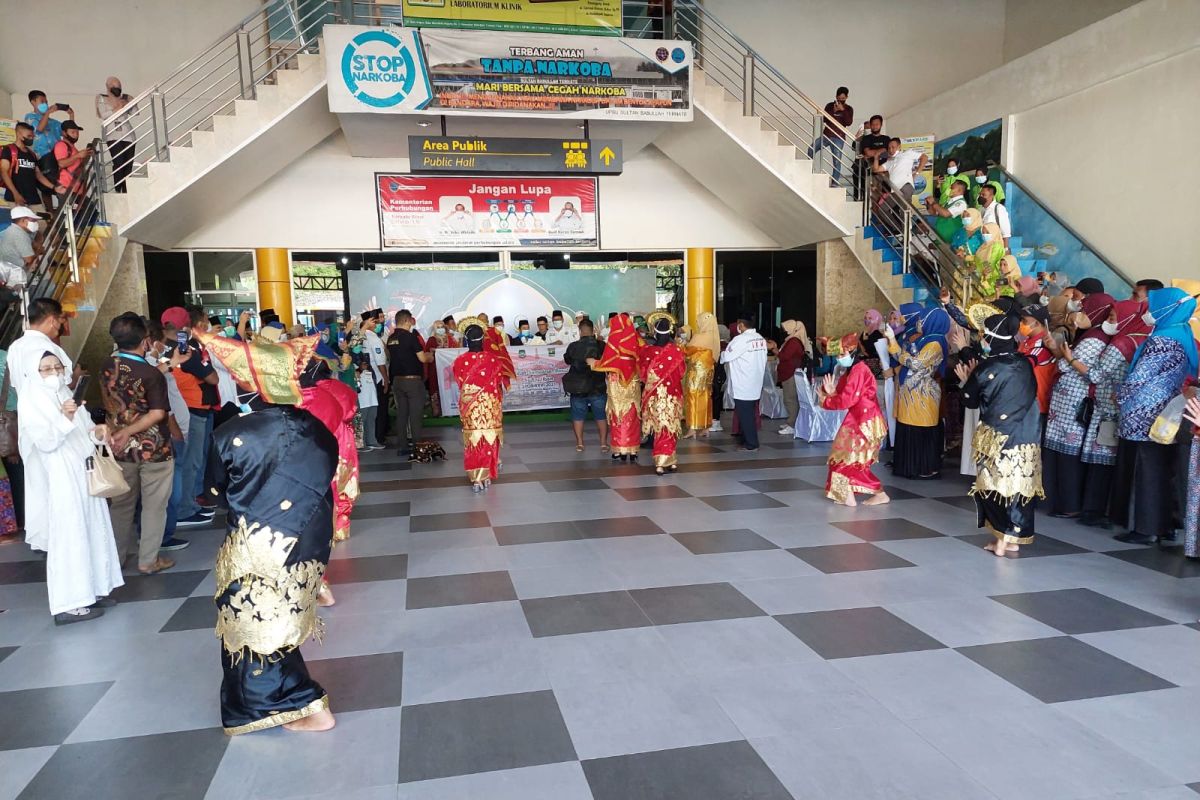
(224, 123)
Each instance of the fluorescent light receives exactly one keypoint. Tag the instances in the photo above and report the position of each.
(345, 260)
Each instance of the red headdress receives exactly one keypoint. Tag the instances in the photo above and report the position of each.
(620, 349)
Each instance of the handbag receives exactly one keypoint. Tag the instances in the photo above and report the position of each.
(8, 422)
(105, 478)
(1083, 414)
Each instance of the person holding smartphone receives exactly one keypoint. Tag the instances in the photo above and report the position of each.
(69, 155)
(47, 131)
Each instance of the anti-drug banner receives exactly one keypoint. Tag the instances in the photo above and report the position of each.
(421, 211)
(923, 180)
(538, 383)
(591, 17)
(397, 70)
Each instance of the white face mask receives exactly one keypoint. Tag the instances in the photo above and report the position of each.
(951, 170)
(54, 383)
(1044, 300)
(1149, 319)
(499, 326)
(1109, 328)
(987, 237)
(558, 324)
(33, 227)
(1074, 305)
(981, 179)
(439, 330)
(845, 360)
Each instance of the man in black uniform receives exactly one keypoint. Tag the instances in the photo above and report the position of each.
(407, 359)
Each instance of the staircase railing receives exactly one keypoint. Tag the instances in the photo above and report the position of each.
(57, 272)
(765, 93)
(244, 58)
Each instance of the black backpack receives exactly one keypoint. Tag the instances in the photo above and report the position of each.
(48, 164)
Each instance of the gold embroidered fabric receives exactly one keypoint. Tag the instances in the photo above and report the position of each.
(840, 489)
(489, 435)
(665, 461)
(275, 606)
(858, 445)
(622, 396)
(700, 366)
(281, 718)
(1008, 538)
(480, 409)
(661, 411)
(1004, 474)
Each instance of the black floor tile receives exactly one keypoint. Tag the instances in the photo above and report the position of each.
(195, 614)
(1195, 787)
(963, 501)
(1062, 668)
(462, 737)
(536, 532)
(617, 526)
(896, 493)
(1042, 546)
(5, 652)
(886, 530)
(449, 522)
(381, 510)
(387, 466)
(742, 502)
(780, 485)
(179, 766)
(163, 586)
(576, 485)
(583, 613)
(709, 772)
(367, 568)
(730, 541)
(852, 632)
(359, 683)
(29, 571)
(43, 717)
(702, 602)
(833, 558)
(1078, 611)
(1167, 561)
(661, 491)
(459, 590)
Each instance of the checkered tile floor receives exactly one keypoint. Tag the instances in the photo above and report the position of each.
(588, 630)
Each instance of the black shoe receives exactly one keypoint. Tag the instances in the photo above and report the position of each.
(195, 521)
(174, 543)
(67, 619)
(1062, 515)
(1169, 538)
(1133, 537)
(104, 602)
(1095, 522)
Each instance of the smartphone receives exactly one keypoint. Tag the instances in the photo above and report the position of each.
(62, 106)
(181, 338)
(81, 388)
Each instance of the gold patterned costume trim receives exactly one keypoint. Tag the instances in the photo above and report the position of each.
(489, 435)
(480, 409)
(622, 396)
(1007, 538)
(281, 718)
(479, 475)
(1004, 474)
(700, 370)
(662, 412)
(666, 461)
(275, 607)
(861, 445)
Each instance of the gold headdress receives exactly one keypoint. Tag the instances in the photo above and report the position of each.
(660, 314)
(469, 322)
(979, 312)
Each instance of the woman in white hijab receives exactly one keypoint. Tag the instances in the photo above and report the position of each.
(73, 528)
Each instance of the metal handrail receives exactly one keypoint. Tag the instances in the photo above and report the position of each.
(765, 93)
(1008, 176)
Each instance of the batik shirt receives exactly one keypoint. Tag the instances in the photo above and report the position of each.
(1155, 378)
(1106, 369)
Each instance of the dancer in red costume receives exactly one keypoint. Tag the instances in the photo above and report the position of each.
(662, 364)
(483, 376)
(856, 445)
(620, 362)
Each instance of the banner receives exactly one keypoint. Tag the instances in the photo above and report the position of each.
(444, 213)
(538, 383)
(591, 17)
(923, 180)
(397, 70)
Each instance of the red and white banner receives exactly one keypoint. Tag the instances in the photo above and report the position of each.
(496, 212)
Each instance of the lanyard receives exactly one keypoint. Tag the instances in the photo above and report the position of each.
(132, 357)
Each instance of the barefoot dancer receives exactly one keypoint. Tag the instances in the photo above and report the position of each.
(276, 468)
(863, 431)
(620, 362)
(482, 378)
(1007, 454)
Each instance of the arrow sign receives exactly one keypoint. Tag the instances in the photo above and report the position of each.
(607, 156)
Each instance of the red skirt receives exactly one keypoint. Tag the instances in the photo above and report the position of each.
(482, 460)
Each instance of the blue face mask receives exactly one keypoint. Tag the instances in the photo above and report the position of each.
(43, 108)
(985, 347)
(230, 331)
(379, 328)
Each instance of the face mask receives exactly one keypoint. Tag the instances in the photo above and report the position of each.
(1044, 300)
(1109, 328)
(230, 331)
(379, 328)
(845, 360)
(115, 91)
(951, 170)
(33, 227)
(524, 333)
(985, 347)
(1025, 330)
(558, 324)
(568, 213)
(987, 237)
(1149, 319)
(499, 326)
(28, 141)
(1074, 305)
(981, 179)
(439, 330)
(42, 108)
(54, 383)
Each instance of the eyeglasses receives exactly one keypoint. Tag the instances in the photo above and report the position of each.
(59, 370)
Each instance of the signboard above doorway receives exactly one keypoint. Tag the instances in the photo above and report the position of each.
(489, 154)
(590, 17)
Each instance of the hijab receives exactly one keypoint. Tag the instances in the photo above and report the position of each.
(911, 312)
(474, 338)
(896, 322)
(796, 330)
(1172, 308)
(1096, 308)
(1000, 332)
(706, 334)
(934, 327)
(1132, 330)
(873, 319)
(662, 333)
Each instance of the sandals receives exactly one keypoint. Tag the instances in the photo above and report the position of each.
(604, 448)
(159, 565)
(578, 448)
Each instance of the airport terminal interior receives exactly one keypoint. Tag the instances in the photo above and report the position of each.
(599, 400)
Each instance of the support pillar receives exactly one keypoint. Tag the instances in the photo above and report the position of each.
(700, 270)
(273, 268)
(844, 290)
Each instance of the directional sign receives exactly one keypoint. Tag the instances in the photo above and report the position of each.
(474, 154)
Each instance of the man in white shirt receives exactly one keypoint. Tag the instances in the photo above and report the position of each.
(746, 356)
(995, 213)
(372, 328)
(559, 332)
(900, 167)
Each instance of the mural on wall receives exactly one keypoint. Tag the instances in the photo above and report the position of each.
(978, 147)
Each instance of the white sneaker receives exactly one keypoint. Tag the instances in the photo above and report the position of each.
(716, 426)
(787, 430)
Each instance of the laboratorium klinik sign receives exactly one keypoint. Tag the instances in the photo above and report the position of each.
(406, 70)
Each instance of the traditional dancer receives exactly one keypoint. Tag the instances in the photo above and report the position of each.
(662, 365)
(620, 362)
(1008, 457)
(863, 431)
(703, 350)
(483, 377)
(276, 468)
